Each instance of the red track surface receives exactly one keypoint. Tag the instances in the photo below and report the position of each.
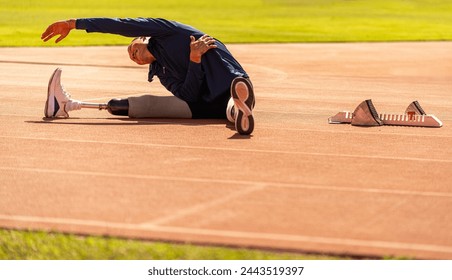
(298, 183)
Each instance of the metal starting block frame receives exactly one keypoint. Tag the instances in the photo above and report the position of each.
(366, 115)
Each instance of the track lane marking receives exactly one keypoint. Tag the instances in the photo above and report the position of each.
(332, 131)
(247, 150)
(204, 206)
(234, 182)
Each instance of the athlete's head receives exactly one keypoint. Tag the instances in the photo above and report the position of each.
(138, 51)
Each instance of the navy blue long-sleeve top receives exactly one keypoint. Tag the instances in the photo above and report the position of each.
(170, 45)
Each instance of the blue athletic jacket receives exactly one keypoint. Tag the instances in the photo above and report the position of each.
(170, 45)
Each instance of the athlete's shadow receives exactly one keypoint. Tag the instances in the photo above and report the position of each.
(147, 121)
(236, 135)
(127, 121)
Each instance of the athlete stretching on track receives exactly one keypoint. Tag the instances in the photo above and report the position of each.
(201, 73)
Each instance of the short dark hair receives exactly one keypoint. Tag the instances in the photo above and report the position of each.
(136, 38)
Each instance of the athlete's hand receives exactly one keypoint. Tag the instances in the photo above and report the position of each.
(61, 28)
(199, 47)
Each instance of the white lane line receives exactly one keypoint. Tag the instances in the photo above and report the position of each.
(243, 150)
(346, 131)
(202, 207)
(233, 182)
(232, 234)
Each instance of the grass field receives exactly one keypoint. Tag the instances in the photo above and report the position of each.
(251, 21)
(24, 245)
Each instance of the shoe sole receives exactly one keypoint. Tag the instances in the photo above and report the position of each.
(50, 102)
(243, 95)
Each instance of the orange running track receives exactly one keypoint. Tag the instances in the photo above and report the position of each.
(298, 183)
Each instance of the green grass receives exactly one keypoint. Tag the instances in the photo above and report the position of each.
(27, 245)
(251, 21)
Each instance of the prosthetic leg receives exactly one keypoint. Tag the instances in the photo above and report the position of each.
(146, 106)
(119, 107)
(59, 102)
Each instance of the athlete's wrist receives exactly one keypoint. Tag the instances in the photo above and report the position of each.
(195, 58)
(71, 23)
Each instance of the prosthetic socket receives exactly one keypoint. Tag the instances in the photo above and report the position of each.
(118, 107)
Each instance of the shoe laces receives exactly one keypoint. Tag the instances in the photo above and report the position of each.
(67, 94)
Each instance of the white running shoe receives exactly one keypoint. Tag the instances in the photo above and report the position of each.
(243, 95)
(59, 102)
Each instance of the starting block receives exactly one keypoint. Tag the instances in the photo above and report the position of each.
(366, 115)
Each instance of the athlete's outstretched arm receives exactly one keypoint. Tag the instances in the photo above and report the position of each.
(61, 28)
(129, 27)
